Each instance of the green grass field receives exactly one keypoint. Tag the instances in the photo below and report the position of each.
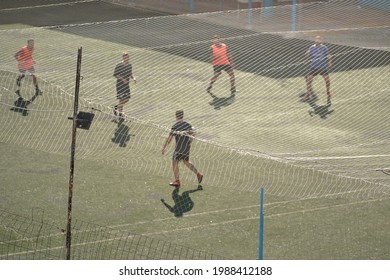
(326, 196)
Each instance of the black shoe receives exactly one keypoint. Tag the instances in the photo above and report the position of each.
(233, 90)
(209, 89)
(121, 118)
(38, 91)
(18, 93)
(114, 110)
(18, 82)
(200, 188)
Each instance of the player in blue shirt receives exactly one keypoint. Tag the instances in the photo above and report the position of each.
(320, 61)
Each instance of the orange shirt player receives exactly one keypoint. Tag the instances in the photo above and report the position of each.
(221, 60)
(26, 65)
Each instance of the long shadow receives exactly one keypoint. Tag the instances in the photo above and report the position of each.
(71, 13)
(323, 111)
(183, 202)
(122, 135)
(279, 57)
(219, 102)
(282, 57)
(268, 55)
(21, 105)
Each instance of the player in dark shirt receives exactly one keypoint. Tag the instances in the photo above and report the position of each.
(182, 132)
(123, 73)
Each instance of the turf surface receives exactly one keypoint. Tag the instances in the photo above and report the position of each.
(325, 198)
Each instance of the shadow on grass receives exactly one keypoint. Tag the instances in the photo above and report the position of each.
(122, 135)
(21, 105)
(323, 111)
(183, 202)
(219, 102)
(264, 54)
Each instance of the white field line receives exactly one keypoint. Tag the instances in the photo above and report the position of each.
(331, 29)
(332, 149)
(196, 214)
(195, 227)
(257, 217)
(335, 157)
(237, 209)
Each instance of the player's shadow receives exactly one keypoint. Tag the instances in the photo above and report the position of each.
(183, 202)
(21, 105)
(219, 102)
(122, 135)
(321, 110)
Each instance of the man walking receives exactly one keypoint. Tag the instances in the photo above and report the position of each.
(123, 73)
(26, 66)
(182, 132)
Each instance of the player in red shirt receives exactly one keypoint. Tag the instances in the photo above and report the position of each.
(26, 65)
(221, 60)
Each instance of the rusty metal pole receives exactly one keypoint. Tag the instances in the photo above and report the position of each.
(72, 156)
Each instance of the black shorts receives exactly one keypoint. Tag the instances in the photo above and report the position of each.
(181, 156)
(122, 91)
(320, 71)
(219, 68)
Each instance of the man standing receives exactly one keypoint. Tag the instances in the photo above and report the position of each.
(182, 132)
(123, 73)
(320, 60)
(26, 65)
(221, 60)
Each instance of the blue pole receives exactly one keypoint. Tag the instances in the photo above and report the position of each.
(294, 15)
(191, 6)
(261, 229)
(250, 12)
(267, 7)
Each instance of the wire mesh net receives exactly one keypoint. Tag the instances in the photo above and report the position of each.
(262, 136)
(169, 56)
(34, 238)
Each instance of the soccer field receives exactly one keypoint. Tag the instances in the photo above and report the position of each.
(324, 168)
